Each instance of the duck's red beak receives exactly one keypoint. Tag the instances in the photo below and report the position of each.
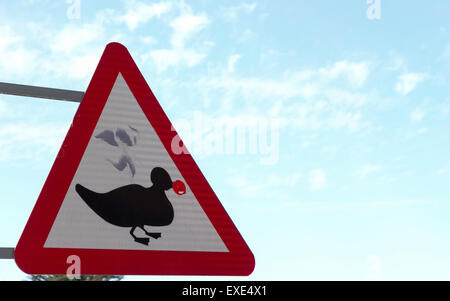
(179, 187)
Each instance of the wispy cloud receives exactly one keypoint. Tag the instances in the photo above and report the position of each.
(232, 60)
(16, 59)
(245, 186)
(184, 27)
(305, 83)
(445, 56)
(417, 115)
(317, 179)
(284, 180)
(71, 37)
(70, 51)
(306, 99)
(165, 58)
(355, 72)
(407, 82)
(24, 140)
(75, 50)
(274, 181)
(415, 133)
(332, 205)
(395, 62)
(443, 170)
(138, 13)
(368, 169)
(231, 13)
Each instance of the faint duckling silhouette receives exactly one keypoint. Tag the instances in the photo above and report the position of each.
(136, 206)
(126, 138)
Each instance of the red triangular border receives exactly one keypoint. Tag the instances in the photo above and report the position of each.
(32, 258)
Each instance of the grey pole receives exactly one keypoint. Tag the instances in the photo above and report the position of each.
(38, 92)
(6, 253)
(41, 92)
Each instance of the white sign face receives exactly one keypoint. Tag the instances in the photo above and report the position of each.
(123, 150)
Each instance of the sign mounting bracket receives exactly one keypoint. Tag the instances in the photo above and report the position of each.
(41, 92)
(6, 253)
(36, 92)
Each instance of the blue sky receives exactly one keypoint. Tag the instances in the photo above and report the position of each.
(360, 107)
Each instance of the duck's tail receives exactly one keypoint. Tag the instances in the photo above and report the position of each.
(102, 204)
(87, 195)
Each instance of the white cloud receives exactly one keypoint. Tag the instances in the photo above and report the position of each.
(231, 13)
(75, 50)
(261, 88)
(346, 98)
(306, 84)
(395, 62)
(317, 179)
(407, 82)
(15, 58)
(416, 133)
(164, 58)
(443, 170)
(184, 27)
(73, 37)
(148, 40)
(7, 37)
(283, 180)
(4, 110)
(355, 72)
(243, 185)
(274, 181)
(29, 140)
(71, 51)
(232, 60)
(83, 66)
(417, 115)
(343, 119)
(331, 205)
(245, 35)
(2, 107)
(368, 169)
(138, 13)
(307, 99)
(445, 56)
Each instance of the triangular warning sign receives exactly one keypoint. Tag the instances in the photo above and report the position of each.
(122, 198)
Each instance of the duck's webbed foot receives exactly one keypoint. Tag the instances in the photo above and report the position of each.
(141, 240)
(155, 235)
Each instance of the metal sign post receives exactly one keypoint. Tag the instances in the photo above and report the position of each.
(41, 92)
(36, 92)
(6, 253)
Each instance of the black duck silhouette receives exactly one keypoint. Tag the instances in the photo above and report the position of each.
(136, 206)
